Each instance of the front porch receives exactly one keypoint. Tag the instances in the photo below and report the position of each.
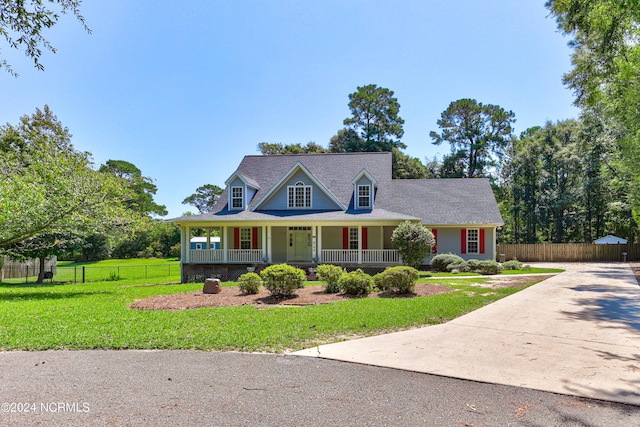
(327, 256)
(366, 245)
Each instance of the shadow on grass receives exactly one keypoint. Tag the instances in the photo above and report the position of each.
(42, 296)
(32, 285)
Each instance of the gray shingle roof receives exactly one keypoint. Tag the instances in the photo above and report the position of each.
(434, 201)
(448, 201)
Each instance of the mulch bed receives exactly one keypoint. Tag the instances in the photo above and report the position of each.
(231, 296)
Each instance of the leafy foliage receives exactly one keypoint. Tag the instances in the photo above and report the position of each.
(413, 241)
(478, 134)
(374, 113)
(22, 23)
(142, 187)
(330, 275)
(440, 262)
(249, 283)
(205, 198)
(47, 188)
(399, 279)
(356, 283)
(282, 280)
(269, 149)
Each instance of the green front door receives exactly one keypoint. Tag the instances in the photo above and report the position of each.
(299, 244)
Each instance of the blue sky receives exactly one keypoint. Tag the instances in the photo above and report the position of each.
(184, 89)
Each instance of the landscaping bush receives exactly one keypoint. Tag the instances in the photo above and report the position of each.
(414, 242)
(282, 280)
(488, 267)
(249, 283)
(459, 267)
(400, 280)
(330, 275)
(441, 261)
(356, 283)
(513, 264)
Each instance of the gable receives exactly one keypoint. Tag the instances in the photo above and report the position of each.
(278, 199)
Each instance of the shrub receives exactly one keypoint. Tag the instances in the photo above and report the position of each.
(459, 267)
(513, 264)
(441, 261)
(413, 241)
(249, 283)
(175, 251)
(400, 280)
(356, 283)
(330, 275)
(282, 280)
(488, 267)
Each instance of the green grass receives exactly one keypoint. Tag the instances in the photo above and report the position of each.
(531, 270)
(96, 316)
(113, 269)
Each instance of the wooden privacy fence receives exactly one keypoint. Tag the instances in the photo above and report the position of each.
(570, 252)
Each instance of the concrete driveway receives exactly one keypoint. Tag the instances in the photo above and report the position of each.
(577, 333)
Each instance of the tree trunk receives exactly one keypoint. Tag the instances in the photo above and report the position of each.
(41, 272)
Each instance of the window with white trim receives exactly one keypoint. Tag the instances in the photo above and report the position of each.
(299, 195)
(473, 240)
(237, 197)
(245, 238)
(364, 196)
(353, 238)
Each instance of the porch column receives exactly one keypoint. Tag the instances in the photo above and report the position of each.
(359, 244)
(269, 251)
(319, 244)
(314, 242)
(224, 244)
(495, 238)
(187, 257)
(183, 244)
(264, 241)
(208, 239)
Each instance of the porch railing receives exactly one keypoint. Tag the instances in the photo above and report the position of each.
(339, 256)
(369, 256)
(380, 256)
(207, 256)
(216, 256)
(244, 255)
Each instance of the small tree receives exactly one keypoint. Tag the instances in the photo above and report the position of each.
(413, 241)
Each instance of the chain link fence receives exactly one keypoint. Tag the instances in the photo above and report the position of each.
(88, 273)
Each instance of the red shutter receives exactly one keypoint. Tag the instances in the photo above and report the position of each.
(254, 238)
(236, 238)
(434, 249)
(345, 238)
(482, 240)
(365, 238)
(463, 241)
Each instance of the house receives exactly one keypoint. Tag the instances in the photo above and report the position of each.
(200, 243)
(610, 240)
(333, 208)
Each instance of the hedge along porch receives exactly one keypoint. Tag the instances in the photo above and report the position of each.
(334, 208)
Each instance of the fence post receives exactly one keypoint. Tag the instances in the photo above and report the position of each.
(26, 277)
(75, 274)
(146, 274)
(83, 276)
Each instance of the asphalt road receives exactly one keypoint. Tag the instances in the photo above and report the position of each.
(192, 388)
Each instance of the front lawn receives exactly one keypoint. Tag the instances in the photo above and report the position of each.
(529, 270)
(96, 316)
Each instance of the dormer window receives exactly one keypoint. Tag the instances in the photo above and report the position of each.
(299, 195)
(364, 196)
(237, 197)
